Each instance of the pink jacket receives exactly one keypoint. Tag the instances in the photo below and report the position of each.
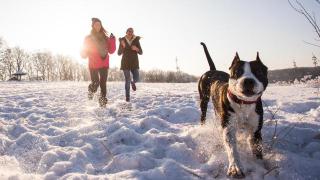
(90, 50)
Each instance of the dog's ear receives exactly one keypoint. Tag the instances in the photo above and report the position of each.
(235, 60)
(258, 58)
(237, 56)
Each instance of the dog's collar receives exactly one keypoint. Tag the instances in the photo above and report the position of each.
(240, 101)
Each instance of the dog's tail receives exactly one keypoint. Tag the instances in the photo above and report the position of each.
(211, 64)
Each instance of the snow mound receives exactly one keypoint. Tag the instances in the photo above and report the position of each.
(52, 131)
(185, 114)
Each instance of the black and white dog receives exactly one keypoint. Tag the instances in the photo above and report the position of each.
(237, 103)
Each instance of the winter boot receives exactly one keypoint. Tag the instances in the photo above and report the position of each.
(103, 101)
(128, 99)
(90, 95)
(133, 86)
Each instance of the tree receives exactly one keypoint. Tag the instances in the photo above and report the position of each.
(3, 74)
(18, 57)
(65, 68)
(309, 16)
(29, 66)
(36, 65)
(40, 65)
(48, 65)
(315, 61)
(8, 61)
(85, 73)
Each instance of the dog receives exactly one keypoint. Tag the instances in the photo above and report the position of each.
(237, 103)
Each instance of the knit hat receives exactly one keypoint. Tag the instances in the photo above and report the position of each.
(94, 20)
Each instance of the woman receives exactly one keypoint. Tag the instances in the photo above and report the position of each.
(97, 47)
(129, 48)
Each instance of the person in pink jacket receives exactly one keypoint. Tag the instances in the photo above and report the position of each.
(97, 47)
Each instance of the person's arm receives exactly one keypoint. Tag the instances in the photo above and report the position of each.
(120, 49)
(139, 47)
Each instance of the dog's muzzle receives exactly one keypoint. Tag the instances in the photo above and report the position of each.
(248, 85)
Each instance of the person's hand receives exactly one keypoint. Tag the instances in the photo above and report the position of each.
(123, 44)
(135, 48)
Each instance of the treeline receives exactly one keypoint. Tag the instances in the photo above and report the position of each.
(156, 75)
(45, 66)
(42, 65)
(292, 74)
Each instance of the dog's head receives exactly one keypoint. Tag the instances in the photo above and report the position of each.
(248, 80)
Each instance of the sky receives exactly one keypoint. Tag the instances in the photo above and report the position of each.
(170, 30)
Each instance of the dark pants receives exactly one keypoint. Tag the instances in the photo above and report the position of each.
(127, 76)
(98, 78)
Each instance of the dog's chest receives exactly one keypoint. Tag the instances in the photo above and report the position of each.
(244, 116)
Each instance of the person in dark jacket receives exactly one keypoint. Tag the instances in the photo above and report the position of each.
(129, 48)
(97, 47)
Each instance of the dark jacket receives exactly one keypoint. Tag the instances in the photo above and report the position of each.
(130, 58)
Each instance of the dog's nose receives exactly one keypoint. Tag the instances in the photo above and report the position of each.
(248, 83)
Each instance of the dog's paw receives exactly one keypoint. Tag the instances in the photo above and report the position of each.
(257, 151)
(234, 171)
(259, 156)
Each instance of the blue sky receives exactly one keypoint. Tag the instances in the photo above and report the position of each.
(170, 29)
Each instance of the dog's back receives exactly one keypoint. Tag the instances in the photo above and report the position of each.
(207, 79)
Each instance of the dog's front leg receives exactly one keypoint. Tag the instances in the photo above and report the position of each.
(255, 141)
(230, 143)
(255, 138)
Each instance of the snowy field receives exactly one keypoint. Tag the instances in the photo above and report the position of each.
(51, 131)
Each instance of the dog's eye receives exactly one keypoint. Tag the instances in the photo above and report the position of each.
(258, 73)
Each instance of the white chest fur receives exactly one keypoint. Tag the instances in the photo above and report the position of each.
(244, 117)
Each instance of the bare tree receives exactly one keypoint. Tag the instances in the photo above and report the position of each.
(85, 73)
(59, 60)
(55, 69)
(29, 66)
(48, 64)
(2, 72)
(36, 65)
(65, 67)
(40, 60)
(2, 64)
(309, 16)
(8, 62)
(19, 56)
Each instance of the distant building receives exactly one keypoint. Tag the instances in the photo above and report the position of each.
(17, 76)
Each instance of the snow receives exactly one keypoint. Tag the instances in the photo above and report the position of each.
(49, 130)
